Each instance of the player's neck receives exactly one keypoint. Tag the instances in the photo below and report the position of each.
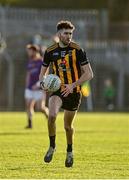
(62, 45)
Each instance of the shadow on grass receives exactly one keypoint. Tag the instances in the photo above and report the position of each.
(20, 133)
(30, 132)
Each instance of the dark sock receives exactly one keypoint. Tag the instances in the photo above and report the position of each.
(52, 141)
(69, 148)
(30, 122)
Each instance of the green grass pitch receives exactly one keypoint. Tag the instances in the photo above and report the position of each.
(101, 148)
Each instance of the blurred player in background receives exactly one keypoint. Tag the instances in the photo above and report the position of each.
(33, 94)
(70, 63)
(109, 94)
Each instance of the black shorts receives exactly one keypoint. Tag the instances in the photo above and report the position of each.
(71, 102)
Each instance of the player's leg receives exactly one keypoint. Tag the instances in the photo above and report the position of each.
(41, 102)
(29, 109)
(29, 101)
(55, 103)
(68, 125)
(44, 108)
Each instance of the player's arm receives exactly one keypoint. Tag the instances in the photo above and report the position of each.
(45, 65)
(43, 72)
(45, 68)
(87, 74)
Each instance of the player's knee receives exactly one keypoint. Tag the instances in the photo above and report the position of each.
(68, 128)
(52, 118)
(30, 114)
(42, 108)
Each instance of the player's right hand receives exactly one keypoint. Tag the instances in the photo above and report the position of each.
(42, 84)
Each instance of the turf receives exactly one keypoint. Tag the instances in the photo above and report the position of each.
(101, 147)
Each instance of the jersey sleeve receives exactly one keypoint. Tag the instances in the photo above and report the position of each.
(82, 57)
(46, 59)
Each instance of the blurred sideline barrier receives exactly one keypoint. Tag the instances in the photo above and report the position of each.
(109, 58)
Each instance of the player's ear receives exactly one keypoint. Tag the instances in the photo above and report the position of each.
(59, 33)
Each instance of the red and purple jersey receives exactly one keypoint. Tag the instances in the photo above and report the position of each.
(34, 67)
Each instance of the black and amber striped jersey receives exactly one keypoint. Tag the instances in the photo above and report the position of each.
(66, 62)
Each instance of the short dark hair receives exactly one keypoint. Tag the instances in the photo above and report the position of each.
(65, 25)
(33, 47)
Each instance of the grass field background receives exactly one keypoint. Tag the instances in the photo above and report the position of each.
(101, 147)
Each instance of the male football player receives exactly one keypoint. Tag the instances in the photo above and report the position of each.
(70, 63)
(33, 94)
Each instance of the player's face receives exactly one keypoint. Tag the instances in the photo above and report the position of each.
(65, 36)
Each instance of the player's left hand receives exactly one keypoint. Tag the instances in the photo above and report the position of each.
(67, 90)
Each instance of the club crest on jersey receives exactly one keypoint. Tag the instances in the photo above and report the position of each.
(62, 66)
